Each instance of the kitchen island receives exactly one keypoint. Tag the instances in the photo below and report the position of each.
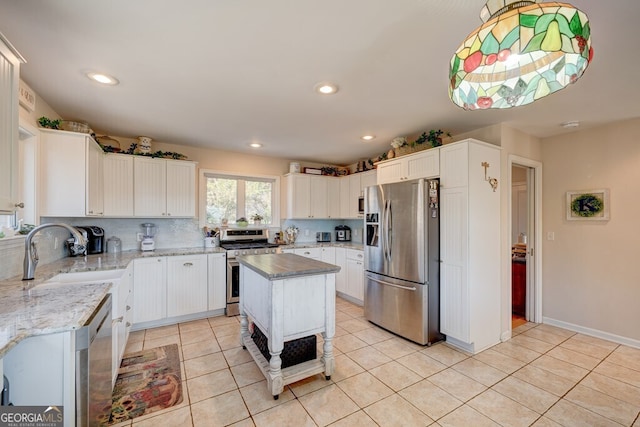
(288, 297)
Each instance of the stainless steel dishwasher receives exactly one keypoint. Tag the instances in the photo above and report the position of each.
(93, 368)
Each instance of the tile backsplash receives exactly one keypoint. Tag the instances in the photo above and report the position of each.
(171, 233)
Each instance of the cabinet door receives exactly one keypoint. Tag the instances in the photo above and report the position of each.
(355, 278)
(426, 164)
(299, 196)
(181, 188)
(454, 166)
(150, 187)
(149, 289)
(328, 255)
(367, 179)
(186, 285)
(118, 185)
(345, 196)
(217, 280)
(95, 179)
(333, 197)
(391, 171)
(9, 81)
(341, 276)
(454, 293)
(62, 168)
(318, 197)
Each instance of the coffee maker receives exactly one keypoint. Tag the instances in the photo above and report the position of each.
(147, 243)
(343, 233)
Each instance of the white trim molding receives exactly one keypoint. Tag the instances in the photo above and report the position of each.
(592, 332)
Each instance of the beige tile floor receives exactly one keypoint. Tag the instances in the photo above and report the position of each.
(543, 376)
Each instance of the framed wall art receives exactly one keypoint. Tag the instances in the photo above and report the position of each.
(588, 205)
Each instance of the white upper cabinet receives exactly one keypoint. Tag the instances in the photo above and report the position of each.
(71, 174)
(181, 188)
(150, 187)
(333, 197)
(424, 164)
(164, 187)
(310, 197)
(9, 81)
(118, 185)
(95, 180)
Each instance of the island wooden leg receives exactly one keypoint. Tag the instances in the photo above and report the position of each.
(327, 356)
(276, 382)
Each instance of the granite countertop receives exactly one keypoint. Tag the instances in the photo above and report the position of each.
(285, 266)
(29, 309)
(348, 245)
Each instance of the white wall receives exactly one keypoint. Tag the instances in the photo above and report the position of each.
(590, 274)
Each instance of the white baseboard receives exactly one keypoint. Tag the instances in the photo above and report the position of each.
(592, 332)
(505, 336)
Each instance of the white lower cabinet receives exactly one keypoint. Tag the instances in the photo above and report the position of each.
(41, 372)
(341, 276)
(217, 281)
(175, 288)
(186, 285)
(355, 274)
(121, 312)
(149, 289)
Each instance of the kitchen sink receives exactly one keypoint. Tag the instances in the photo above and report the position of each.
(82, 277)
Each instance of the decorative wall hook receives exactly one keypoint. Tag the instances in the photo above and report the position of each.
(493, 182)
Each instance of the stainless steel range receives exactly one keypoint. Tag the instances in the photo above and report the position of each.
(242, 241)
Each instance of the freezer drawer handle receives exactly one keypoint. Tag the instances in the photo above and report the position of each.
(382, 282)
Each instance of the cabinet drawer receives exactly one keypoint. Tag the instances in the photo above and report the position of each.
(315, 253)
(355, 254)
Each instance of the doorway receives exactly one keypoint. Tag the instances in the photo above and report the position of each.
(526, 240)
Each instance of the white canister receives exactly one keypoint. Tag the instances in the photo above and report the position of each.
(211, 242)
(294, 167)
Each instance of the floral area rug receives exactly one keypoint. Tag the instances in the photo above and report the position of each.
(148, 381)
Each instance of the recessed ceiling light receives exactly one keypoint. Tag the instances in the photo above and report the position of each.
(255, 145)
(368, 137)
(105, 79)
(325, 88)
(571, 124)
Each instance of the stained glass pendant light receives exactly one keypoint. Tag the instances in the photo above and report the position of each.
(524, 51)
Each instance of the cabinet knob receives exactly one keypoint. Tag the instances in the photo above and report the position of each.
(19, 205)
(128, 307)
(188, 264)
(128, 324)
(169, 214)
(118, 320)
(90, 212)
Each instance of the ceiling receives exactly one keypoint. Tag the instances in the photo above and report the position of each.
(223, 74)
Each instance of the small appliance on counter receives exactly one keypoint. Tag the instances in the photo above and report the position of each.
(147, 242)
(343, 233)
(95, 241)
(323, 236)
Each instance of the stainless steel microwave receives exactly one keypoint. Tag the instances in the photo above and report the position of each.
(361, 205)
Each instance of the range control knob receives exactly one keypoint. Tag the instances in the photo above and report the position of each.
(244, 252)
(256, 252)
(236, 253)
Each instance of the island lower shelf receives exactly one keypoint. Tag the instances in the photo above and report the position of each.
(286, 306)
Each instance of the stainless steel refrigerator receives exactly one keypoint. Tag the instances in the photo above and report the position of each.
(402, 259)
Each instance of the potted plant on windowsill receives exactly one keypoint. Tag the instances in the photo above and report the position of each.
(257, 219)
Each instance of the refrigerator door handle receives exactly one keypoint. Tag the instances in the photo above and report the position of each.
(382, 282)
(387, 230)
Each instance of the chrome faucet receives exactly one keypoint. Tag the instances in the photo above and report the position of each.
(31, 253)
